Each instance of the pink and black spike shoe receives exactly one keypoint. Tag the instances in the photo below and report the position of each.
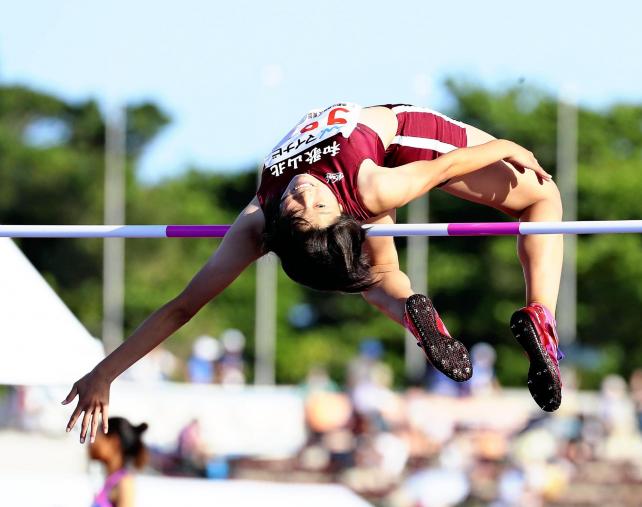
(534, 327)
(445, 353)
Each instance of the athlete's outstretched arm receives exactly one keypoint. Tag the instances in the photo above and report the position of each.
(240, 247)
(392, 188)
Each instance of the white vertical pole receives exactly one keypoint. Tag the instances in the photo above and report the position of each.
(265, 325)
(567, 119)
(114, 213)
(417, 260)
(417, 254)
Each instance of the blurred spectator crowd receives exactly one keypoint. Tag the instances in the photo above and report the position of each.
(473, 443)
(441, 444)
(454, 444)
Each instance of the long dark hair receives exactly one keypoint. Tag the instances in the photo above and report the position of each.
(131, 442)
(329, 259)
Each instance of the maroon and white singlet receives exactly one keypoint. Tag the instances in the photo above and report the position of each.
(330, 145)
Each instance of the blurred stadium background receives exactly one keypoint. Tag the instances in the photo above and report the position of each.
(274, 394)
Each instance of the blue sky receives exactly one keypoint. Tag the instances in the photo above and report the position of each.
(234, 76)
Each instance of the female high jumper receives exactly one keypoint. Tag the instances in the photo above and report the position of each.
(344, 166)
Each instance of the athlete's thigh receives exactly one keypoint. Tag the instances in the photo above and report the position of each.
(498, 185)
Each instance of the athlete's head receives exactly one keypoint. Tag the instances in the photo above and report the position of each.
(319, 245)
(123, 441)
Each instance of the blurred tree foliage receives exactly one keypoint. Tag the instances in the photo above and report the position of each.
(51, 172)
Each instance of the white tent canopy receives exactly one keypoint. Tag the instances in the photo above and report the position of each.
(41, 341)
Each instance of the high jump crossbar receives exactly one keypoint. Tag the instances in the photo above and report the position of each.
(218, 231)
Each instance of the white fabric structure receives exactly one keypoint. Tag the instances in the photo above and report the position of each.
(235, 421)
(41, 341)
(242, 421)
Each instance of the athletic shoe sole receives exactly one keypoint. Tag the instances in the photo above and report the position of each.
(543, 380)
(446, 354)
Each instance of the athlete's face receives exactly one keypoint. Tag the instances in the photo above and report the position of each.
(312, 200)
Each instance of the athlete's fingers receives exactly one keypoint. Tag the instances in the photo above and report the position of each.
(85, 423)
(94, 426)
(534, 166)
(74, 417)
(541, 173)
(541, 170)
(72, 394)
(523, 159)
(105, 416)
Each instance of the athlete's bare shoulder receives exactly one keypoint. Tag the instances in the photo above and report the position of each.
(382, 120)
(247, 229)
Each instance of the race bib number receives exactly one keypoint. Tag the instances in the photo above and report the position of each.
(315, 127)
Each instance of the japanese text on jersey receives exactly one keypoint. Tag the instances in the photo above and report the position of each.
(299, 146)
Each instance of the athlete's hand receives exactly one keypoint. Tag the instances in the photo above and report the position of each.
(523, 159)
(93, 400)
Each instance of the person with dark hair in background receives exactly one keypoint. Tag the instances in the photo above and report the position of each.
(119, 449)
(345, 166)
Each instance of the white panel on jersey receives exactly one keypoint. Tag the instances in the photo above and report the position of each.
(316, 126)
